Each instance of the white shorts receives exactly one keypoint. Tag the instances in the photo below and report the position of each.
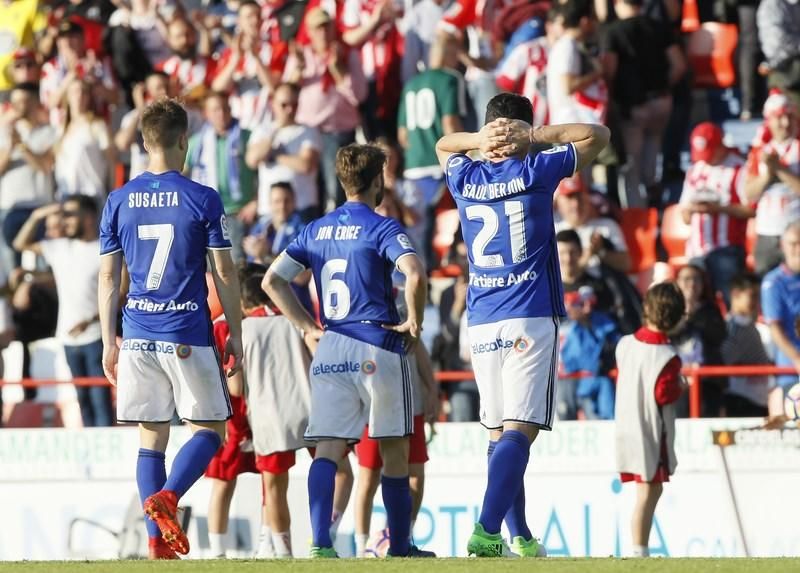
(154, 379)
(354, 384)
(515, 363)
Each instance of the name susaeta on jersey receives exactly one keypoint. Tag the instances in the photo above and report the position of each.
(138, 199)
(491, 191)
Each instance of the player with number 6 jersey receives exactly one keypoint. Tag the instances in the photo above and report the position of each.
(360, 372)
(514, 297)
(165, 227)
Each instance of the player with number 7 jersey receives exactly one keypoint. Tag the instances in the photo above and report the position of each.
(165, 227)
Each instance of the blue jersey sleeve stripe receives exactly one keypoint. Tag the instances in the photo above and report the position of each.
(397, 261)
(228, 248)
(103, 254)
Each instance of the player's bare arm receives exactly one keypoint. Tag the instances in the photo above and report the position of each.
(277, 284)
(493, 140)
(589, 139)
(226, 280)
(416, 293)
(108, 284)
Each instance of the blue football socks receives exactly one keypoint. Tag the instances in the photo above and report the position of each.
(321, 485)
(515, 518)
(397, 501)
(192, 460)
(507, 463)
(151, 474)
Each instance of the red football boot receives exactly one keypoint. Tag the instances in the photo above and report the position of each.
(158, 549)
(162, 507)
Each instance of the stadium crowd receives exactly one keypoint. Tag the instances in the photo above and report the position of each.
(276, 87)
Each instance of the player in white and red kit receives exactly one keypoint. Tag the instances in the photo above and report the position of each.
(773, 178)
(714, 205)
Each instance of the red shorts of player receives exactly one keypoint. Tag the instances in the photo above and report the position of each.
(230, 460)
(661, 475)
(276, 463)
(369, 455)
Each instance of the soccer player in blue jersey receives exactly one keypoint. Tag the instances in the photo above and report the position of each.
(514, 297)
(360, 371)
(165, 227)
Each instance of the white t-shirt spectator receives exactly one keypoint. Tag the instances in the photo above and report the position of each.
(81, 161)
(22, 185)
(606, 228)
(75, 265)
(585, 106)
(290, 140)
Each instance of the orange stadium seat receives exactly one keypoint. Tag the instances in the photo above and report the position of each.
(674, 234)
(710, 50)
(214, 305)
(30, 414)
(445, 232)
(640, 226)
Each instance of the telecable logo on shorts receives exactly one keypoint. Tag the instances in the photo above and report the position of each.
(519, 345)
(148, 346)
(367, 367)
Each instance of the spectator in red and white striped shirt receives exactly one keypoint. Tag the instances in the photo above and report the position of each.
(246, 69)
(773, 178)
(524, 71)
(189, 67)
(713, 203)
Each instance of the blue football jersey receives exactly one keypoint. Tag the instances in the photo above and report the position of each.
(352, 253)
(163, 224)
(506, 212)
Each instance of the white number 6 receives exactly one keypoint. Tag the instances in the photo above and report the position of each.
(335, 294)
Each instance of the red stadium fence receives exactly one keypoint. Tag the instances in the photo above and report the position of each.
(694, 374)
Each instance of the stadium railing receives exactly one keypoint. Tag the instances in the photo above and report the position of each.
(694, 374)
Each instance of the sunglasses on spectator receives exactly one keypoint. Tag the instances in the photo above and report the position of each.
(25, 64)
(286, 104)
(70, 213)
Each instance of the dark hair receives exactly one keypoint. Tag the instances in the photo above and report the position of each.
(634, 2)
(357, 166)
(569, 236)
(707, 295)
(250, 277)
(291, 86)
(157, 73)
(664, 306)
(249, 3)
(163, 123)
(745, 281)
(85, 203)
(285, 185)
(511, 106)
(217, 95)
(576, 10)
(30, 87)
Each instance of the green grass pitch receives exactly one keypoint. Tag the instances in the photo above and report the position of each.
(553, 565)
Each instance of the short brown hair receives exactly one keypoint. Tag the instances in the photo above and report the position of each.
(664, 306)
(357, 166)
(163, 123)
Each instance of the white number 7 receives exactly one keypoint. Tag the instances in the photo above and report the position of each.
(164, 234)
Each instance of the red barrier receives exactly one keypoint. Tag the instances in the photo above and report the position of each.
(693, 374)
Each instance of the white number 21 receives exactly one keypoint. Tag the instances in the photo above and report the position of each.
(163, 234)
(491, 225)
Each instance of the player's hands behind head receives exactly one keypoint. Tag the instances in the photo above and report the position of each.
(110, 360)
(410, 331)
(233, 350)
(504, 137)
